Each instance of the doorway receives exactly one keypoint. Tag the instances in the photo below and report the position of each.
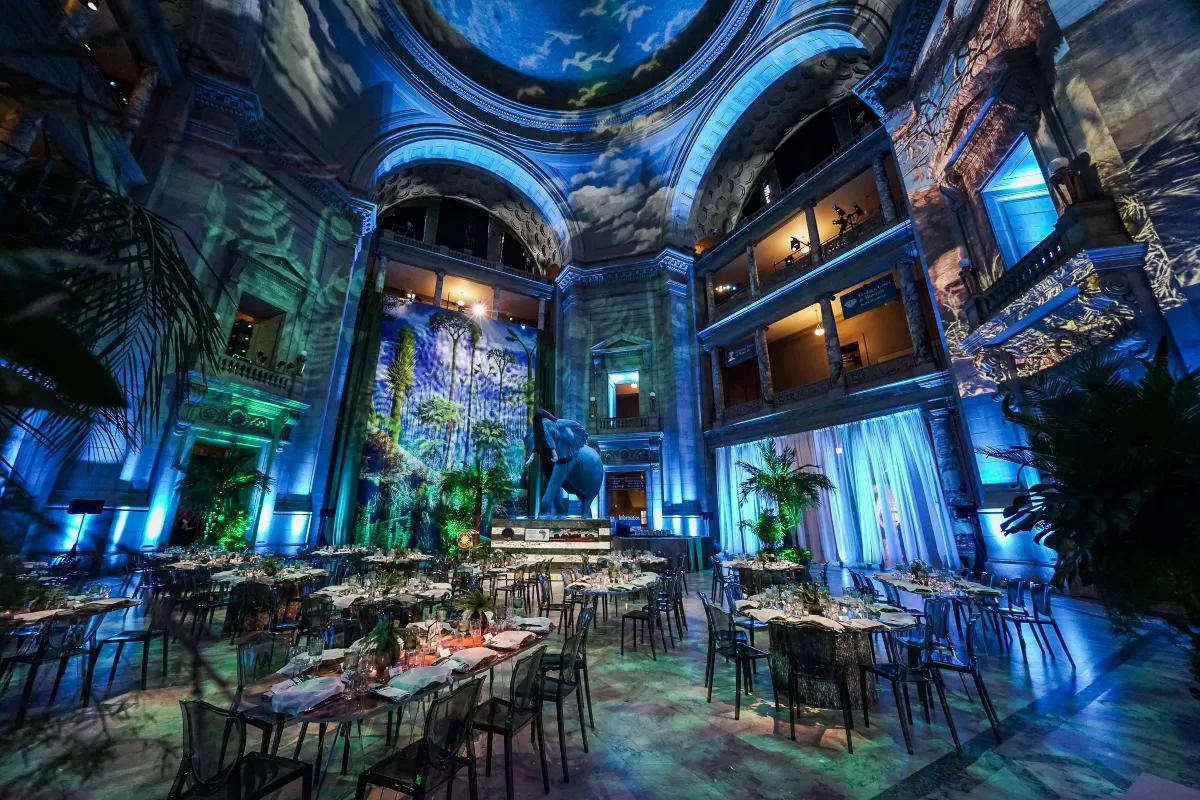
(220, 483)
(626, 494)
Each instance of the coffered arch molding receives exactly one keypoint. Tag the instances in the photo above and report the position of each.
(841, 28)
(400, 149)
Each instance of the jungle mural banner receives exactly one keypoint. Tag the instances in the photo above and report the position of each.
(451, 410)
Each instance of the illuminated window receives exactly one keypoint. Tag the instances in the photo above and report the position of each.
(1018, 203)
(624, 394)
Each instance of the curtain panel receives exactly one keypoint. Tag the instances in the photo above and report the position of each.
(886, 506)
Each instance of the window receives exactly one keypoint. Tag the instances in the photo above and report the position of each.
(1018, 203)
(255, 333)
(767, 193)
(624, 394)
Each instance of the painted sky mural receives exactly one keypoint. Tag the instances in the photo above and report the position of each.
(571, 54)
(451, 388)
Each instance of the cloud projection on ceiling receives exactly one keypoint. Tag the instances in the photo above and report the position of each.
(566, 54)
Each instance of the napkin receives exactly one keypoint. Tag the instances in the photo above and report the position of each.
(298, 665)
(391, 692)
(296, 698)
(742, 605)
(510, 640)
(897, 620)
(470, 658)
(863, 624)
(534, 624)
(821, 622)
(345, 600)
(765, 614)
(333, 654)
(420, 678)
(34, 616)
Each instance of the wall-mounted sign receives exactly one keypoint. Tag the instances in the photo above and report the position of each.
(866, 297)
(741, 351)
(627, 483)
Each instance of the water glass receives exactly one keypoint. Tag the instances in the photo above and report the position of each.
(316, 646)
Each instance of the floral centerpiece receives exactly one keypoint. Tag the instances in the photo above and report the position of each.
(920, 572)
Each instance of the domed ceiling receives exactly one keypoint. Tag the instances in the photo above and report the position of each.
(566, 55)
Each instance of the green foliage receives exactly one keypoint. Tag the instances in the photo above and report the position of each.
(383, 642)
(216, 488)
(791, 489)
(230, 529)
(400, 375)
(767, 529)
(270, 567)
(1120, 465)
(490, 438)
(476, 484)
(798, 555)
(99, 306)
(475, 603)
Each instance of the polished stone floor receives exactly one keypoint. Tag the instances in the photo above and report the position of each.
(1071, 733)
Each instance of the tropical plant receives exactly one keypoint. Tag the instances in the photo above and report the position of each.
(490, 439)
(1119, 462)
(216, 489)
(440, 415)
(400, 374)
(791, 489)
(230, 530)
(767, 529)
(475, 603)
(473, 484)
(269, 567)
(797, 555)
(382, 642)
(473, 343)
(99, 306)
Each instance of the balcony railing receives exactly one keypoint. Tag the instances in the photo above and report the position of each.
(795, 185)
(1082, 226)
(874, 372)
(784, 272)
(646, 422)
(251, 374)
(744, 410)
(536, 273)
(801, 393)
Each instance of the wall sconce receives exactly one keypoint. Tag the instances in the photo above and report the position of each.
(592, 400)
(820, 331)
(301, 360)
(1065, 180)
(653, 401)
(795, 244)
(788, 261)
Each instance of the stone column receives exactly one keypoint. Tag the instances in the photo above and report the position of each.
(950, 472)
(710, 302)
(139, 100)
(884, 188)
(431, 223)
(718, 386)
(495, 302)
(833, 346)
(753, 269)
(495, 240)
(814, 237)
(764, 367)
(541, 313)
(911, 297)
(18, 130)
(441, 277)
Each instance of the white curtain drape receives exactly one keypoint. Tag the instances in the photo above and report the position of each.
(887, 505)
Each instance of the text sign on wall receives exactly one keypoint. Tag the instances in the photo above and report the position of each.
(629, 483)
(864, 298)
(740, 351)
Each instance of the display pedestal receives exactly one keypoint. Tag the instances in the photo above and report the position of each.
(564, 539)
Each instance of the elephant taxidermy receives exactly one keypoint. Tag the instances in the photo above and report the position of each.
(568, 464)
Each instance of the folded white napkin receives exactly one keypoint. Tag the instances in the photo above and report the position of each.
(900, 620)
(297, 665)
(534, 624)
(346, 600)
(470, 658)
(418, 678)
(821, 622)
(391, 692)
(510, 640)
(445, 586)
(863, 624)
(333, 654)
(289, 698)
(108, 601)
(765, 614)
(742, 605)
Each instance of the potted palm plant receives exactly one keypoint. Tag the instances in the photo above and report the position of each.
(382, 644)
(791, 489)
(475, 604)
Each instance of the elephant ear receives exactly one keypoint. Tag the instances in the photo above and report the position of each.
(565, 436)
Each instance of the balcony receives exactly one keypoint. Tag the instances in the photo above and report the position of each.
(239, 370)
(402, 243)
(1083, 226)
(642, 424)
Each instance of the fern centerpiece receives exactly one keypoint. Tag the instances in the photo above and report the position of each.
(475, 604)
(383, 644)
(269, 567)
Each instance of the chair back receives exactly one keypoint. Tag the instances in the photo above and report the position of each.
(1016, 593)
(719, 620)
(892, 594)
(396, 612)
(259, 655)
(937, 610)
(586, 615)
(973, 634)
(812, 650)
(570, 658)
(213, 740)
(523, 685)
(316, 610)
(448, 727)
(733, 593)
(1040, 595)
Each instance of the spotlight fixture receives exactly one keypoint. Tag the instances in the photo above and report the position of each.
(858, 212)
(112, 84)
(478, 309)
(522, 326)
(819, 331)
(787, 262)
(795, 244)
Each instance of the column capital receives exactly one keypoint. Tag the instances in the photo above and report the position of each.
(944, 413)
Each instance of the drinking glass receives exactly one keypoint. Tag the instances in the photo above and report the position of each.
(316, 646)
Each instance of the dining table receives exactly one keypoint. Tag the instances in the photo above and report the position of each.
(346, 710)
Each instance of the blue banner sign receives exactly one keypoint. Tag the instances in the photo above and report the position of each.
(866, 297)
(740, 351)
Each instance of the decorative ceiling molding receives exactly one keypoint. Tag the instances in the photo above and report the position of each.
(886, 85)
(411, 42)
(673, 262)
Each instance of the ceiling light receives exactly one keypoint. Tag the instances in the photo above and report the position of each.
(478, 309)
(819, 331)
(92, 5)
